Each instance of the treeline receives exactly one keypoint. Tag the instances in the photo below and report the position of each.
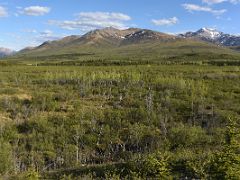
(104, 62)
(190, 57)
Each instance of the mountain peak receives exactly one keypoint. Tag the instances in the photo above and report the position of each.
(103, 30)
(110, 28)
(214, 36)
(210, 33)
(117, 37)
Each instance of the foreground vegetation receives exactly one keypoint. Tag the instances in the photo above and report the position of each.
(134, 121)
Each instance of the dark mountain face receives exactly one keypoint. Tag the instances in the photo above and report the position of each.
(213, 36)
(229, 40)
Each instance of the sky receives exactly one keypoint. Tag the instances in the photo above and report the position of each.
(25, 23)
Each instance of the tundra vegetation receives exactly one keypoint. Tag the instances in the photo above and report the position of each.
(121, 120)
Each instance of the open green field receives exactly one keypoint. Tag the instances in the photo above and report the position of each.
(134, 121)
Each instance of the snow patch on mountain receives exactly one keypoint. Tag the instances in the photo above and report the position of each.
(214, 36)
(209, 33)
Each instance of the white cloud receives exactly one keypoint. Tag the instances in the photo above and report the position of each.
(46, 35)
(165, 22)
(3, 12)
(35, 10)
(86, 21)
(213, 1)
(30, 31)
(194, 7)
(210, 2)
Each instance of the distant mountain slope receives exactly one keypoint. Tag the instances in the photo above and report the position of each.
(98, 39)
(131, 44)
(6, 52)
(213, 36)
(53, 44)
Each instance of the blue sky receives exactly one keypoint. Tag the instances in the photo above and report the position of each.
(30, 22)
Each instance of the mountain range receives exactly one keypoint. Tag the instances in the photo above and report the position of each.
(213, 36)
(130, 40)
(102, 38)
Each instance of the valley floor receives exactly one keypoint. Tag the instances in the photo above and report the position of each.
(155, 121)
